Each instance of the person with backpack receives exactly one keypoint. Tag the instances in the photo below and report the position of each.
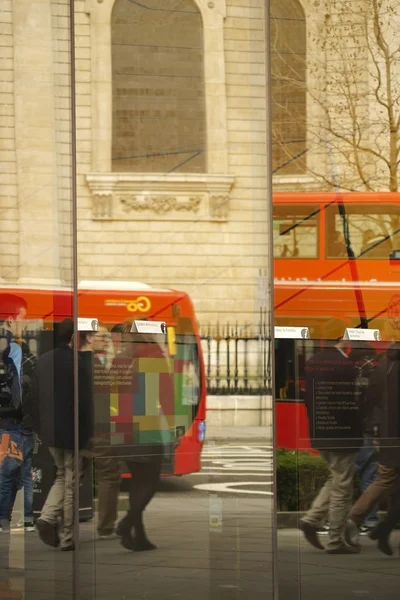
(17, 366)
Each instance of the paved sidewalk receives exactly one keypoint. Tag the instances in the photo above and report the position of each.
(311, 574)
(261, 434)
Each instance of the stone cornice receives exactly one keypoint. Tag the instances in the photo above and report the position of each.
(174, 197)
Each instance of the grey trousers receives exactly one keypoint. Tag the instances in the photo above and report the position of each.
(335, 498)
(60, 500)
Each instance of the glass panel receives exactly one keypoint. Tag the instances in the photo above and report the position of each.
(35, 298)
(335, 393)
(173, 257)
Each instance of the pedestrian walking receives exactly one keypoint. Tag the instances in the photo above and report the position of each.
(54, 393)
(383, 402)
(335, 428)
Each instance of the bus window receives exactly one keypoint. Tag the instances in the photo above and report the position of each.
(296, 230)
(374, 230)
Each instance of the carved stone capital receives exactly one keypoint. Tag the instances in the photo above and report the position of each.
(219, 207)
(102, 205)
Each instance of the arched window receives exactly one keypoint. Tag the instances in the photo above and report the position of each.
(288, 57)
(158, 88)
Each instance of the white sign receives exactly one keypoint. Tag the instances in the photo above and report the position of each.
(292, 333)
(365, 335)
(88, 324)
(149, 327)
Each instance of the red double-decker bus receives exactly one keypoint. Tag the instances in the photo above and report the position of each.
(335, 266)
(113, 303)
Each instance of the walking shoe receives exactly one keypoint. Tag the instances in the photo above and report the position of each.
(48, 533)
(365, 530)
(324, 530)
(69, 548)
(5, 525)
(311, 534)
(108, 536)
(383, 540)
(29, 526)
(352, 534)
(344, 549)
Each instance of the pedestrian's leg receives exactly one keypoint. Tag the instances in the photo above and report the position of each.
(377, 491)
(368, 473)
(53, 507)
(29, 441)
(381, 533)
(107, 472)
(149, 484)
(138, 498)
(318, 512)
(342, 468)
(47, 524)
(10, 474)
(67, 530)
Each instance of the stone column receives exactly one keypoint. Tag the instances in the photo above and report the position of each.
(35, 143)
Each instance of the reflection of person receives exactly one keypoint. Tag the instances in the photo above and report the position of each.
(55, 397)
(107, 468)
(145, 460)
(16, 368)
(335, 431)
(337, 248)
(366, 465)
(15, 415)
(383, 401)
(375, 245)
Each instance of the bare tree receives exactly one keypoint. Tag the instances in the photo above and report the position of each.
(352, 84)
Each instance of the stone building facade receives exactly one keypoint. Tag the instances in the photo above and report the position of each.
(170, 141)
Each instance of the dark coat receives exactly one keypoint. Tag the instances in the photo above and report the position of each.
(54, 398)
(333, 402)
(383, 403)
(16, 383)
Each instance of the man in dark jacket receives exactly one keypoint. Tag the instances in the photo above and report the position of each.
(55, 397)
(336, 430)
(383, 404)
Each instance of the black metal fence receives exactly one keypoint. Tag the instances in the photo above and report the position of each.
(237, 358)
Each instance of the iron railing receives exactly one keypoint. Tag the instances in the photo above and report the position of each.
(237, 358)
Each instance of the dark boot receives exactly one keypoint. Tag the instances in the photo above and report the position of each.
(141, 542)
(381, 534)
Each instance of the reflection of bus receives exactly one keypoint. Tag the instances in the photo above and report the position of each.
(332, 270)
(113, 303)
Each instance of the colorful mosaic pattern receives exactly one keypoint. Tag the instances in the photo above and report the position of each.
(152, 394)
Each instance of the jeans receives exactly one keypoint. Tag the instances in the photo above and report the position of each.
(26, 475)
(11, 461)
(367, 468)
